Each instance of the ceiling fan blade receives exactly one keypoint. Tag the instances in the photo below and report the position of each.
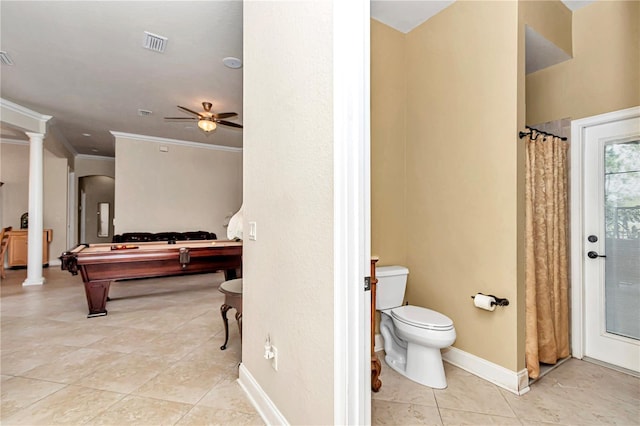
(225, 115)
(181, 118)
(190, 111)
(228, 123)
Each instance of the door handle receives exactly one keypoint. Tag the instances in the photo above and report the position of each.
(594, 255)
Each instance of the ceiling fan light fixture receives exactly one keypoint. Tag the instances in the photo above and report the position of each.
(207, 125)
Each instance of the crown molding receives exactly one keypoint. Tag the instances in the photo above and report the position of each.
(14, 141)
(175, 142)
(93, 157)
(24, 111)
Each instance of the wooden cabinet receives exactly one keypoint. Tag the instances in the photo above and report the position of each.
(19, 244)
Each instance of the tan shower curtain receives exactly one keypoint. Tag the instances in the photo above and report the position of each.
(546, 274)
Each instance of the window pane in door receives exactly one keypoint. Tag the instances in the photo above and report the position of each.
(622, 246)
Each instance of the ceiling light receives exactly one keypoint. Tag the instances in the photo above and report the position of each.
(86, 135)
(207, 125)
(232, 62)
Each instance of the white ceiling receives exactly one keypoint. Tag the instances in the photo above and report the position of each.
(405, 15)
(82, 62)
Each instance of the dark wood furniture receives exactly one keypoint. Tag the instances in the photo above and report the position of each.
(100, 264)
(232, 291)
(376, 366)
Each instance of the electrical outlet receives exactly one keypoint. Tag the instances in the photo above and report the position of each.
(274, 360)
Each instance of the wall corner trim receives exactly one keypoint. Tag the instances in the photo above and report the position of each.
(514, 382)
(260, 400)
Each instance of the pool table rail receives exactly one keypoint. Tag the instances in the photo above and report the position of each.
(99, 265)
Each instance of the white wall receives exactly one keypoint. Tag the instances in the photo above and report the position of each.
(188, 188)
(288, 192)
(55, 204)
(14, 172)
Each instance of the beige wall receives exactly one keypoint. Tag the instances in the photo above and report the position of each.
(187, 188)
(388, 138)
(56, 143)
(55, 204)
(464, 186)
(461, 169)
(94, 166)
(603, 75)
(97, 189)
(551, 19)
(288, 192)
(14, 172)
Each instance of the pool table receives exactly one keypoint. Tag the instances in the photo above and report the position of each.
(100, 264)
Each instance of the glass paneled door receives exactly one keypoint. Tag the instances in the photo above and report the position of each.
(612, 243)
(622, 238)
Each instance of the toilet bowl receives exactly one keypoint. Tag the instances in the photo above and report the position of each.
(413, 336)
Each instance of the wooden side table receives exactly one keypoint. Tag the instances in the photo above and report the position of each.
(18, 247)
(376, 366)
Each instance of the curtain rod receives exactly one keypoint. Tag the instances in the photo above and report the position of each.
(523, 134)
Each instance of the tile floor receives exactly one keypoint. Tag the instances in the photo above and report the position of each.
(155, 360)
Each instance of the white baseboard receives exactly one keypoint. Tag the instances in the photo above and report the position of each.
(378, 343)
(260, 400)
(52, 262)
(515, 382)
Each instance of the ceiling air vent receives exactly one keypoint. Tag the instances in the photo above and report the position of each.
(4, 58)
(154, 42)
(144, 112)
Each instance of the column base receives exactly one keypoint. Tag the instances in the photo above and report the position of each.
(37, 281)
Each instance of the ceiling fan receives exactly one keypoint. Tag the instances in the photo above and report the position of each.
(208, 120)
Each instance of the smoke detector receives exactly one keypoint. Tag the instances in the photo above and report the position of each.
(232, 62)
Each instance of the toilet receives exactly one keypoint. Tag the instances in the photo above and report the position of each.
(413, 336)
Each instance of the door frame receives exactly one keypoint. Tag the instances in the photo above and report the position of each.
(352, 229)
(577, 200)
(72, 210)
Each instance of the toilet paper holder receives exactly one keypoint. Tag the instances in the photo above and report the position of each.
(499, 301)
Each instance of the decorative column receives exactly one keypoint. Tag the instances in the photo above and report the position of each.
(36, 210)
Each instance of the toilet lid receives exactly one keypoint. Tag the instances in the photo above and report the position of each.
(422, 317)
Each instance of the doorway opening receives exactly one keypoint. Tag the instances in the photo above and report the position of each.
(96, 195)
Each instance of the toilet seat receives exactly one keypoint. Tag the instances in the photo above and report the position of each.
(417, 316)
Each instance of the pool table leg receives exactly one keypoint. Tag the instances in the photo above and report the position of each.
(97, 293)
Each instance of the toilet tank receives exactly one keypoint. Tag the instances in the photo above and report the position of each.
(392, 282)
